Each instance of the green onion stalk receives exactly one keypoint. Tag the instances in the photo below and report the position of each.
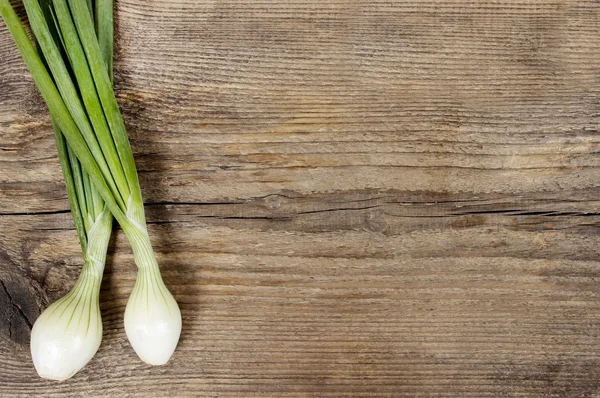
(72, 70)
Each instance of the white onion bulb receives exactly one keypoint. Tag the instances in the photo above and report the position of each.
(152, 319)
(68, 333)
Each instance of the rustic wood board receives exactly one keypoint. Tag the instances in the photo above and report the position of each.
(347, 198)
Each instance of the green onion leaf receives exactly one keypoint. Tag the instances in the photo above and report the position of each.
(105, 32)
(56, 106)
(76, 210)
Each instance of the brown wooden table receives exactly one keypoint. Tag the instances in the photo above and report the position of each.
(347, 198)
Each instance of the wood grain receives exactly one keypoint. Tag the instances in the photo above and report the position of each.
(347, 198)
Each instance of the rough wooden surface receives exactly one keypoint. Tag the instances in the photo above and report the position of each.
(347, 198)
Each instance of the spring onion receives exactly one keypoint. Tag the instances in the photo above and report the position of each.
(74, 80)
(68, 333)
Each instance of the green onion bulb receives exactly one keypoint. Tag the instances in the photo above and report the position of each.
(68, 333)
(152, 316)
(152, 319)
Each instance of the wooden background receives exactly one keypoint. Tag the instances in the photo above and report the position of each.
(347, 198)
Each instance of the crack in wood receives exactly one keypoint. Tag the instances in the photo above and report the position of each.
(338, 209)
(16, 311)
(510, 212)
(35, 213)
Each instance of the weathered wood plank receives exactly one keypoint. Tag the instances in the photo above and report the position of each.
(365, 198)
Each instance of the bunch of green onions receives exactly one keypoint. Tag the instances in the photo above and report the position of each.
(72, 67)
